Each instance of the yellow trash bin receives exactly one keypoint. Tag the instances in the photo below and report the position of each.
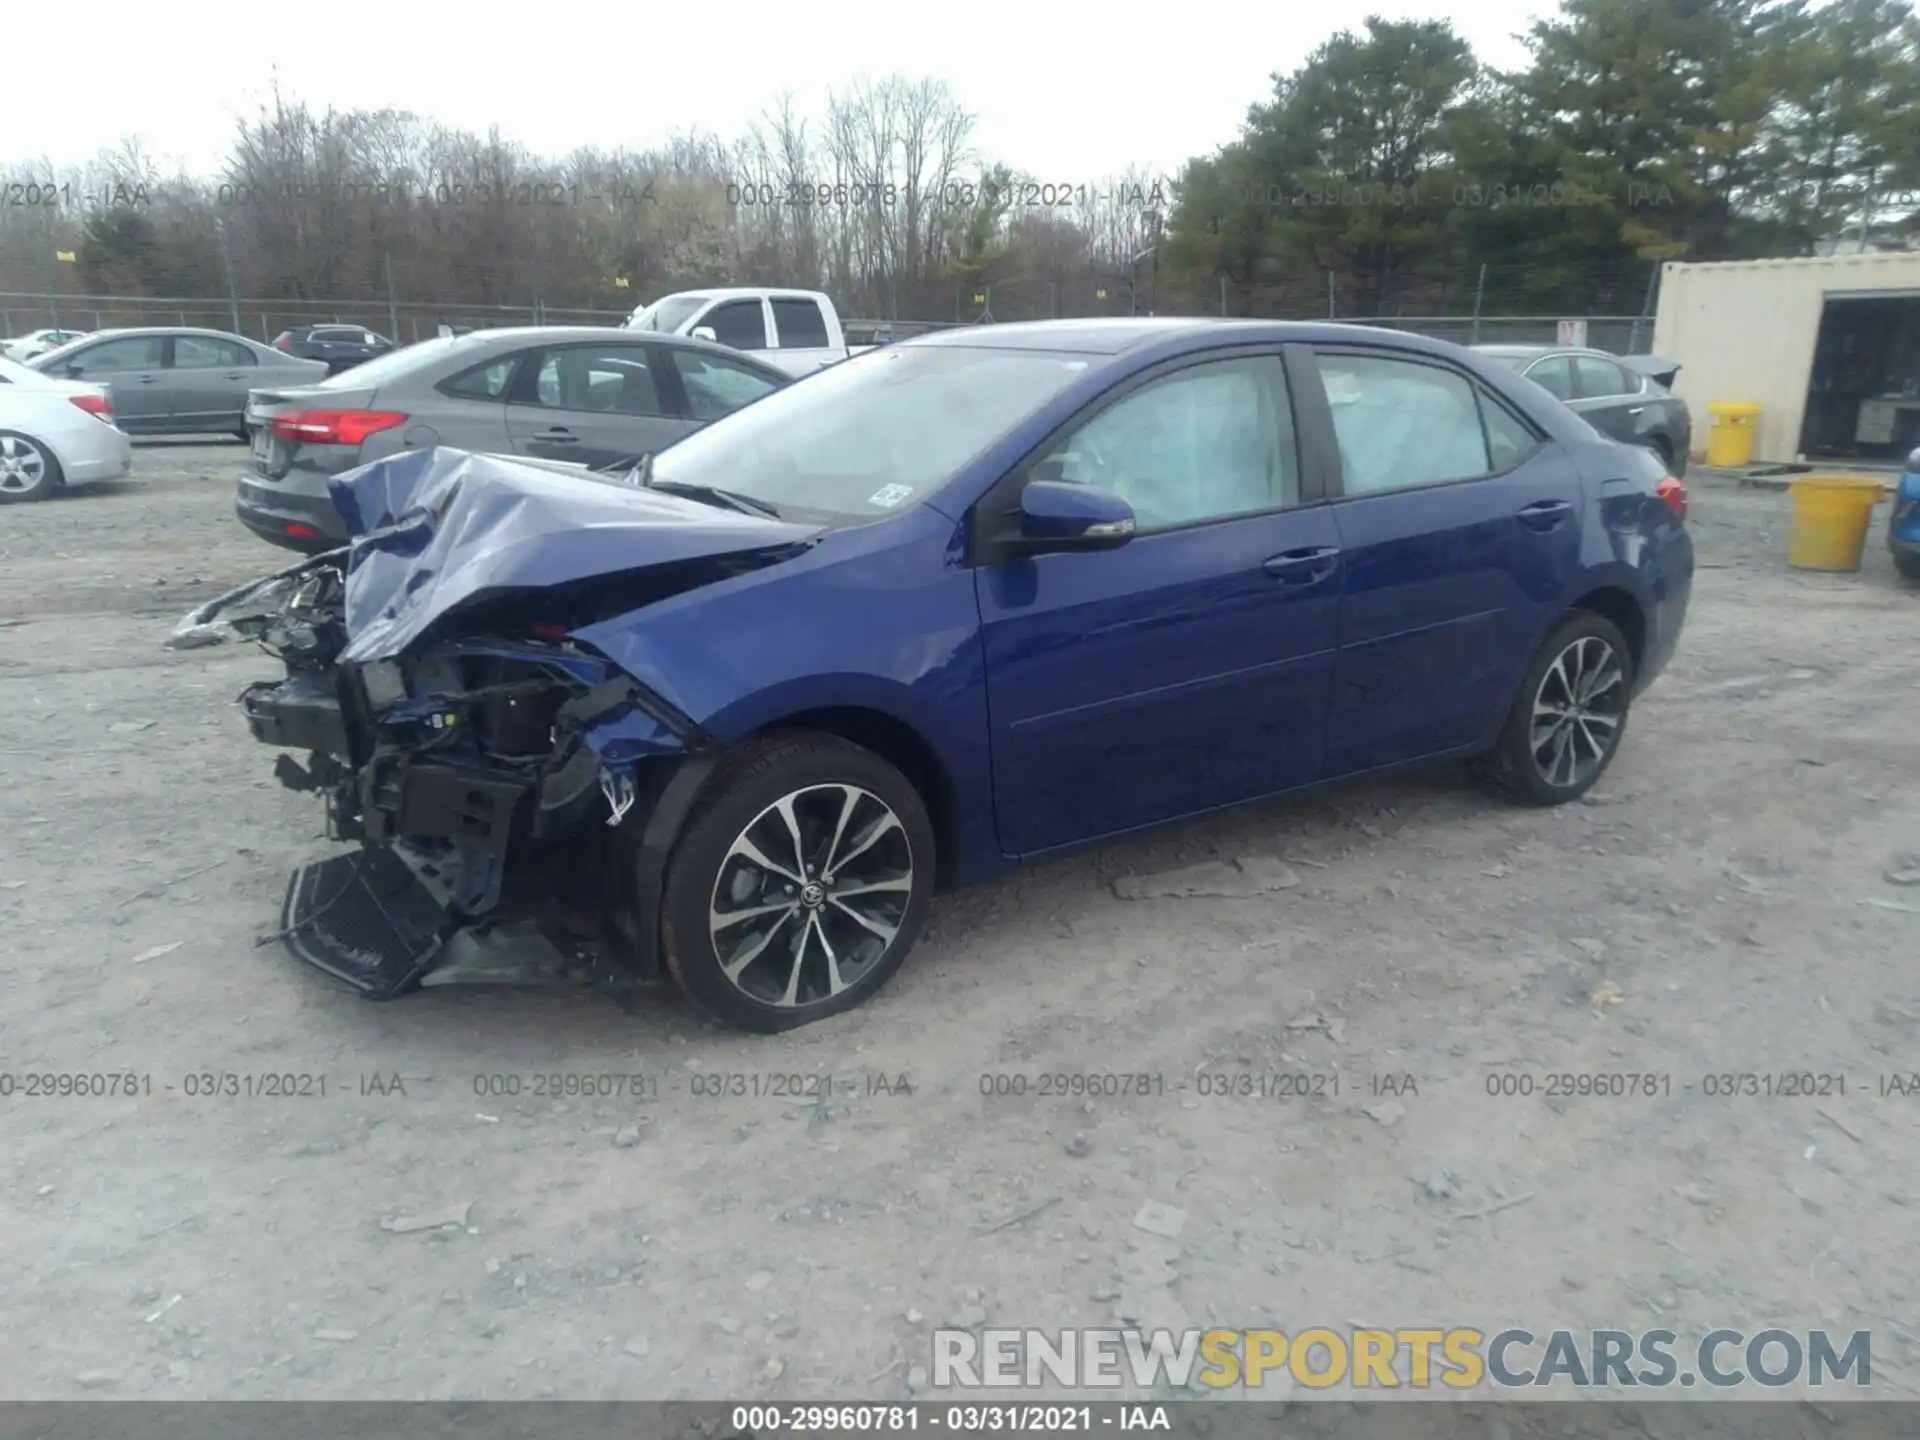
(1831, 514)
(1730, 440)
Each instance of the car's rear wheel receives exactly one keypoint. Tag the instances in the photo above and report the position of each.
(1569, 716)
(1907, 563)
(800, 884)
(28, 470)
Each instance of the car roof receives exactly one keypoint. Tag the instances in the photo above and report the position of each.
(1169, 336)
(166, 330)
(740, 292)
(510, 337)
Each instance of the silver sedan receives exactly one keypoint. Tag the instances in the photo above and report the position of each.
(177, 381)
(575, 395)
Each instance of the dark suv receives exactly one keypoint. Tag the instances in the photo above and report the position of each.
(340, 346)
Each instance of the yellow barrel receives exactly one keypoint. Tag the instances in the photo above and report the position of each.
(1730, 440)
(1831, 514)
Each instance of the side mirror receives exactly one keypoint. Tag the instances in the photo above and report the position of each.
(1056, 516)
(75, 370)
(705, 332)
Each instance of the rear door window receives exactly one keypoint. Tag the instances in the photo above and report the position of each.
(1401, 423)
(1555, 376)
(199, 352)
(1600, 379)
(597, 379)
(800, 325)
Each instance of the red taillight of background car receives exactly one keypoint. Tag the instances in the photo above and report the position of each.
(1675, 494)
(333, 427)
(283, 342)
(98, 406)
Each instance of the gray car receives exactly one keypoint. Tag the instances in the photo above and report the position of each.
(1622, 396)
(573, 394)
(177, 380)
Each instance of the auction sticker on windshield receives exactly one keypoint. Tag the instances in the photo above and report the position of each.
(888, 496)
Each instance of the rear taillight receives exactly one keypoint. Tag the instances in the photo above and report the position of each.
(1675, 494)
(333, 427)
(298, 531)
(98, 406)
(285, 343)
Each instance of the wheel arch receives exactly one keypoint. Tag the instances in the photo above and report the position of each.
(1621, 606)
(901, 746)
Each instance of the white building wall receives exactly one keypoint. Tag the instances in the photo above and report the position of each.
(1746, 329)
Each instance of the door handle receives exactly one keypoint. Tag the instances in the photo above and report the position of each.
(149, 379)
(1302, 567)
(1635, 409)
(1545, 514)
(234, 376)
(560, 435)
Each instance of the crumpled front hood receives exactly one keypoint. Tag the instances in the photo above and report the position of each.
(435, 531)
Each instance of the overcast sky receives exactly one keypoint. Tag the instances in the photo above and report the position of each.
(1069, 92)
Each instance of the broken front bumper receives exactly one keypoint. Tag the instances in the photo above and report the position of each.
(569, 847)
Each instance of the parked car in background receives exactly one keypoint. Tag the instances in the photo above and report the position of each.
(339, 347)
(55, 433)
(177, 381)
(37, 342)
(572, 393)
(956, 603)
(797, 330)
(1903, 527)
(1624, 396)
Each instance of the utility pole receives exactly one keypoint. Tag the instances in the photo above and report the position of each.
(393, 307)
(1479, 294)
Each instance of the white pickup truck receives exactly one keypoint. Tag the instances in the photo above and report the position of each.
(797, 331)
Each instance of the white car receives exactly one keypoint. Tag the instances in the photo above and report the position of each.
(55, 433)
(38, 342)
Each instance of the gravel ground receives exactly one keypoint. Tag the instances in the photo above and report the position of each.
(1707, 913)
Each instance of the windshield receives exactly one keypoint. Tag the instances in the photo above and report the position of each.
(392, 365)
(874, 433)
(668, 315)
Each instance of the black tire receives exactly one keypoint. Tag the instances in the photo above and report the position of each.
(16, 451)
(1513, 767)
(812, 774)
(1907, 563)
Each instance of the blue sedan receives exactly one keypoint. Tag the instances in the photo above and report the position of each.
(736, 715)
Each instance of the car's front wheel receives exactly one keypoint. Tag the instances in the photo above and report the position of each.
(1569, 716)
(800, 884)
(28, 470)
(1907, 563)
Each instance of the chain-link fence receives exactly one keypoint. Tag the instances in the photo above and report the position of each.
(406, 322)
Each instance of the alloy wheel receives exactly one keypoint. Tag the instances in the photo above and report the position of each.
(22, 467)
(1577, 712)
(811, 895)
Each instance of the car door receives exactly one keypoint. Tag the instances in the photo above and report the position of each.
(1609, 396)
(713, 385)
(207, 383)
(801, 340)
(592, 403)
(1189, 668)
(1459, 525)
(134, 367)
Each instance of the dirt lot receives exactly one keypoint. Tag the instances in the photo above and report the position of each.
(1706, 914)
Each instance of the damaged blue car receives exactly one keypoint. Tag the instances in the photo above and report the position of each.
(736, 715)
